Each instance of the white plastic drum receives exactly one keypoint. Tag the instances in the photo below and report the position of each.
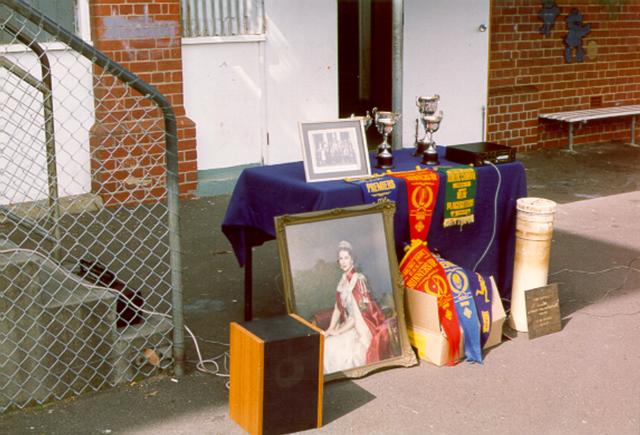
(534, 229)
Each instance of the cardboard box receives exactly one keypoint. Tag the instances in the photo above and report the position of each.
(426, 335)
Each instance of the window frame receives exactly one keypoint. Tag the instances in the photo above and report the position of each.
(82, 29)
(212, 9)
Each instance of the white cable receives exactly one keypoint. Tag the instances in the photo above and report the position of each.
(595, 272)
(206, 340)
(200, 364)
(606, 294)
(495, 216)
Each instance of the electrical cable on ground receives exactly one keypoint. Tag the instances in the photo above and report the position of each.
(628, 267)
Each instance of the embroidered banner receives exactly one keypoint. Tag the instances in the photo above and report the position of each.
(379, 188)
(460, 194)
(422, 271)
(466, 309)
(422, 191)
(482, 297)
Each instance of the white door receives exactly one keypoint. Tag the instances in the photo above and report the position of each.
(446, 53)
(301, 71)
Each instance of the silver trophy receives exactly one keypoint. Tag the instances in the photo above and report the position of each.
(384, 122)
(428, 106)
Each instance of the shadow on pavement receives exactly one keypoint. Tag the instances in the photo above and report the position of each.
(343, 397)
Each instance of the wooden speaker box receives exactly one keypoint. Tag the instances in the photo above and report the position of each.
(276, 375)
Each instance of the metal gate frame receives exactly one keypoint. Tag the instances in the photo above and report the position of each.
(170, 138)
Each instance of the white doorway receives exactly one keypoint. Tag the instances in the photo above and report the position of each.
(446, 52)
(301, 72)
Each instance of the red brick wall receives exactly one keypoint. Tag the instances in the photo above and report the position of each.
(528, 74)
(127, 140)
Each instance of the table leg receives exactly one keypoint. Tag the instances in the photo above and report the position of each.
(248, 283)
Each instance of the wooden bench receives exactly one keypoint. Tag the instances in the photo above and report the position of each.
(590, 114)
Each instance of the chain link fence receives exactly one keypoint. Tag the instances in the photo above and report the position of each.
(89, 258)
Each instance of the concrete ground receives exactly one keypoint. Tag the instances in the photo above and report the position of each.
(584, 379)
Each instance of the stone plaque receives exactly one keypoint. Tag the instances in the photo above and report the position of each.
(543, 310)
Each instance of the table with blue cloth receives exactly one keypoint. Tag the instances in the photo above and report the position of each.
(261, 193)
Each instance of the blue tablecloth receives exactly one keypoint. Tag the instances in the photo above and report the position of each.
(264, 192)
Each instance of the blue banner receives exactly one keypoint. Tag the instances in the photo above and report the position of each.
(461, 289)
(482, 296)
(379, 188)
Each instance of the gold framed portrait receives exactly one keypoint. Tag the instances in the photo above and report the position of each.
(340, 272)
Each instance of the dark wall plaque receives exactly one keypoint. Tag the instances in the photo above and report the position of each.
(543, 310)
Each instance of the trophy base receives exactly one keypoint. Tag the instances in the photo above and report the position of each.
(430, 158)
(420, 149)
(384, 162)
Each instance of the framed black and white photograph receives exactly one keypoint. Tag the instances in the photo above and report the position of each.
(334, 150)
(340, 272)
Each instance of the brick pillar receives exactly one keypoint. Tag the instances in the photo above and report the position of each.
(127, 139)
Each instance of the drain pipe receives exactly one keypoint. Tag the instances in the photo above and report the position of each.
(397, 34)
(484, 120)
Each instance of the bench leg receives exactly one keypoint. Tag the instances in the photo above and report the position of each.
(571, 136)
(633, 131)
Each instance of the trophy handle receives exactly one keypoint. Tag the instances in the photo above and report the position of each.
(368, 120)
(374, 114)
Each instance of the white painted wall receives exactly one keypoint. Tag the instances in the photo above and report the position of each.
(445, 53)
(301, 71)
(238, 91)
(268, 87)
(224, 96)
(22, 147)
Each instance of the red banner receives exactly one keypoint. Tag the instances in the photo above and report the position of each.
(422, 271)
(422, 190)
